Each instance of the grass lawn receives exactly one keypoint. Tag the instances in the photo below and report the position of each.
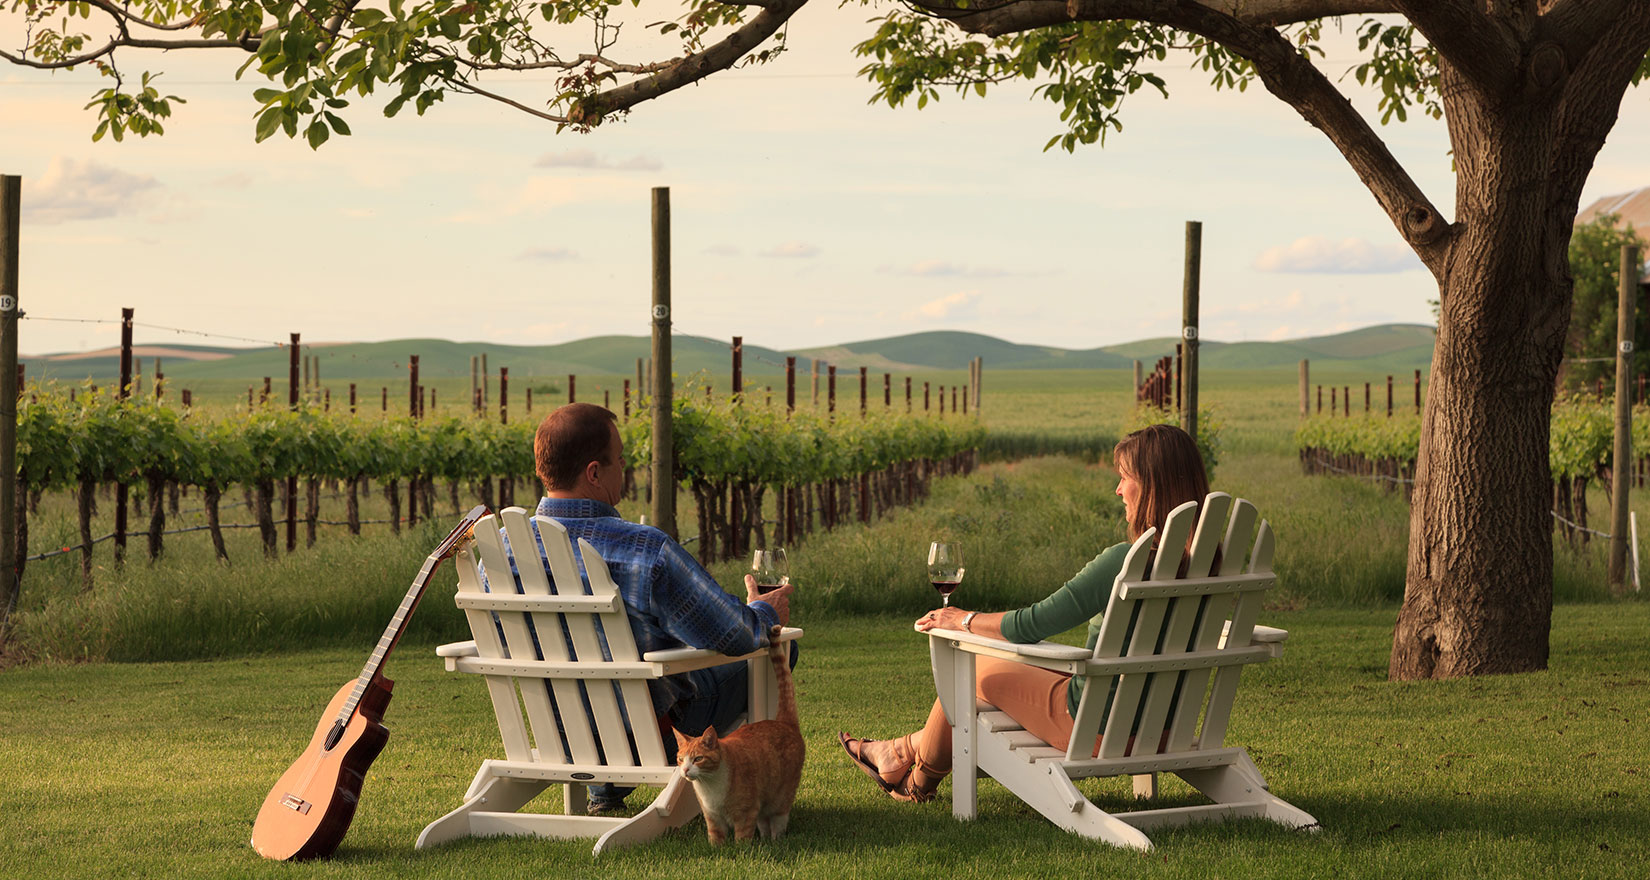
(157, 769)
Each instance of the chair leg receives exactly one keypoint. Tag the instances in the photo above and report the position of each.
(1048, 790)
(1241, 782)
(674, 807)
(496, 794)
(1145, 786)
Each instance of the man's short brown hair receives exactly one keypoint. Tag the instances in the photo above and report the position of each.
(568, 439)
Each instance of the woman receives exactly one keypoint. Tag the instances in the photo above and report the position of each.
(1158, 469)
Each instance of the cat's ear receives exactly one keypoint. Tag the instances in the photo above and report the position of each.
(709, 737)
(681, 740)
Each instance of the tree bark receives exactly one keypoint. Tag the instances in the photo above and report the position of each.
(211, 495)
(352, 506)
(85, 504)
(265, 499)
(392, 494)
(157, 515)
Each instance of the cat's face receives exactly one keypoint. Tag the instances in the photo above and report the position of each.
(699, 756)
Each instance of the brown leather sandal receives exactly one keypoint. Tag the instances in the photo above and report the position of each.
(909, 780)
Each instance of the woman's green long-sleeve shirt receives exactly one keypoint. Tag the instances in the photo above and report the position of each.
(1084, 597)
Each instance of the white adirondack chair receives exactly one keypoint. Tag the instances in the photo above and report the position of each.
(1206, 627)
(591, 695)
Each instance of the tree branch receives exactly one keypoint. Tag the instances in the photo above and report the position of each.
(1481, 47)
(24, 61)
(689, 69)
(1285, 73)
(1014, 16)
(1592, 97)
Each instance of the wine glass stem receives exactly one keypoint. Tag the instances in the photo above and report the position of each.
(945, 600)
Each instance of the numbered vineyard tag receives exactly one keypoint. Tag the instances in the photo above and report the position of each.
(8, 303)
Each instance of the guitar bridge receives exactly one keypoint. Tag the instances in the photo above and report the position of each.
(295, 803)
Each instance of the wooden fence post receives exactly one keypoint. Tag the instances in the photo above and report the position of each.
(790, 384)
(293, 355)
(1417, 392)
(863, 374)
(11, 202)
(1389, 397)
(737, 391)
(830, 396)
(907, 394)
(504, 395)
(663, 477)
(626, 400)
(1306, 372)
(887, 391)
(1623, 452)
(572, 388)
(124, 393)
(1188, 326)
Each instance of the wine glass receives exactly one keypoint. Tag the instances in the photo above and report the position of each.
(945, 568)
(770, 568)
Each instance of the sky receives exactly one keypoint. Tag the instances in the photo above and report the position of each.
(801, 215)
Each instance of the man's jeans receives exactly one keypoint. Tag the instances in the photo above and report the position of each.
(720, 697)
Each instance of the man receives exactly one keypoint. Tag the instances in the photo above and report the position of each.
(673, 602)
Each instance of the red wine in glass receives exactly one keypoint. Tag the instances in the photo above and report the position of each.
(945, 568)
(770, 568)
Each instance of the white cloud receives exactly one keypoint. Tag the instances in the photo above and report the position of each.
(947, 269)
(957, 305)
(589, 159)
(792, 250)
(1316, 254)
(72, 190)
(548, 254)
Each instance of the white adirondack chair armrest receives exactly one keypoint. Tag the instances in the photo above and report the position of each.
(674, 660)
(457, 649)
(1049, 655)
(1270, 636)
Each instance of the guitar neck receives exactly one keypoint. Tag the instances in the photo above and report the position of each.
(403, 613)
(392, 635)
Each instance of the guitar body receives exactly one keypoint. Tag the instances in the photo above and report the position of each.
(308, 812)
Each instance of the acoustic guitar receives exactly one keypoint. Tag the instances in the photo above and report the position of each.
(308, 812)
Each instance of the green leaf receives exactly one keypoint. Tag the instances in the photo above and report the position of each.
(317, 133)
(268, 121)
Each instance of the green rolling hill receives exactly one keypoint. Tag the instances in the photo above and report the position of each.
(1390, 348)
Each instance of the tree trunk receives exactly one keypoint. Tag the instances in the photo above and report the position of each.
(352, 506)
(265, 499)
(312, 509)
(212, 494)
(392, 494)
(86, 502)
(157, 515)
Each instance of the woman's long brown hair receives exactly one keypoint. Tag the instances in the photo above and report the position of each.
(1164, 460)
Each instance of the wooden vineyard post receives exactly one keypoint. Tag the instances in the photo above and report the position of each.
(572, 388)
(504, 395)
(528, 402)
(925, 397)
(1346, 401)
(412, 387)
(125, 392)
(1188, 327)
(1306, 402)
(830, 391)
(485, 397)
(737, 390)
(815, 367)
(663, 477)
(1332, 402)
(475, 385)
(1620, 483)
(626, 399)
(294, 353)
(1366, 398)
(188, 401)
(11, 201)
(1417, 392)
(641, 382)
(1389, 397)
(790, 385)
(907, 394)
(887, 391)
(1139, 376)
(1320, 401)
(862, 378)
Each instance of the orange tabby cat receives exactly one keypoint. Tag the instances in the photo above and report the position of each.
(747, 780)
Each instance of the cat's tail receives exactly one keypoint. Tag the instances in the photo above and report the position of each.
(780, 653)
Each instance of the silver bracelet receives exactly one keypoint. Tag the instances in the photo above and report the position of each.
(968, 619)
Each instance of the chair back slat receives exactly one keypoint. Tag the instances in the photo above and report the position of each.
(502, 690)
(518, 636)
(1240, 528)
(1238, 635)
(1211, 522)
(1150, 615)
(1114, 625)
(1153, 712)
(603, 712)
(621, 643)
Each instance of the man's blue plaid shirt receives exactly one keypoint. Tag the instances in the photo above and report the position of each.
(673, 602)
